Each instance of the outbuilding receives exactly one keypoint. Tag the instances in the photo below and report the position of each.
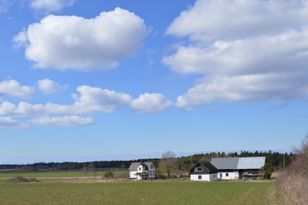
(234, 168)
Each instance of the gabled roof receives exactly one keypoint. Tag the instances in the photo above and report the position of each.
(208, 168)
(236, 163)
(149, 164)
(135, 165)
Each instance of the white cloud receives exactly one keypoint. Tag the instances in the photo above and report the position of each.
(87, 101)
(278, 53)
(93, 99)
(15, 89)
(246, 88)
(246, 54)
(76, 43)
(150, 102)
(234, 19)
(62, 121)
(51, 5)
(8, 122)
(48, 86)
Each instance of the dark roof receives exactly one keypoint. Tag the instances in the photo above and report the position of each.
(236, 163)
(208, 168)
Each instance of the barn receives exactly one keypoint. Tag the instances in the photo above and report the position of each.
(204, 171)
(233, 168)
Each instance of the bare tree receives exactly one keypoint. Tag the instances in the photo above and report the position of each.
(168, 165)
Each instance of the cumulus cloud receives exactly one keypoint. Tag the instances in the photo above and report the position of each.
(93, 99)
(150, 102)
(15, 89)
(87, 101)
(51, 5)
(62, 121)
(245, 88)
(76, 43)
(256, 51)
(240, 19)
(48, 86)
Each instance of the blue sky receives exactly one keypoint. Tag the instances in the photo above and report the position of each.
(100, 80)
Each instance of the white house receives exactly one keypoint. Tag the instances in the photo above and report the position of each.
(204, 171)
(239, 167)
(141, 170)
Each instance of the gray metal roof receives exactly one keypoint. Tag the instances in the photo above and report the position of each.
(251, 162)
(225, 163)
(239, 163)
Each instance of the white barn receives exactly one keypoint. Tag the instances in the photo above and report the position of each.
(239, 167)
(141, 170)
(204, 171)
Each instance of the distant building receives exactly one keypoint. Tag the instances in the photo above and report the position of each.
(204, 171)
(141, 170)
(239, 167)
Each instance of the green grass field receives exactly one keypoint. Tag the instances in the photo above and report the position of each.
(6, 175)
(135, 193)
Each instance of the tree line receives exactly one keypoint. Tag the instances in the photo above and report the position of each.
(169, 162)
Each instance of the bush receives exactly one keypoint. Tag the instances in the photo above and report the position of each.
(267, 171)
(109, 174)
(20, 179)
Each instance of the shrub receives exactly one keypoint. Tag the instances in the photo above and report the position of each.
(267, 170)
(21, 179)
(108, 174)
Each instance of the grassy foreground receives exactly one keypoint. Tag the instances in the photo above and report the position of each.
(135, 193)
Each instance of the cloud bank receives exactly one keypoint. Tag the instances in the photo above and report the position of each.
(256, 51)
(88, 101)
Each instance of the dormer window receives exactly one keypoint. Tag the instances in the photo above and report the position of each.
(139, 168)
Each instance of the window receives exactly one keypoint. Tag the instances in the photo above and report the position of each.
(220, 175)
(227, 174)
(199, 177)
(214, 175)
(139, 168)
(198, 169)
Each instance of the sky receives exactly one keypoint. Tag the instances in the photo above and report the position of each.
(101, 80)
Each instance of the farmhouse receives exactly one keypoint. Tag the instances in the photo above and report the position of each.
(239, 167)
(141, 170)
(204, 171)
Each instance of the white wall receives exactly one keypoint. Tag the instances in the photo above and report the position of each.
(231, 175)
(204, 177)
(132, 175)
